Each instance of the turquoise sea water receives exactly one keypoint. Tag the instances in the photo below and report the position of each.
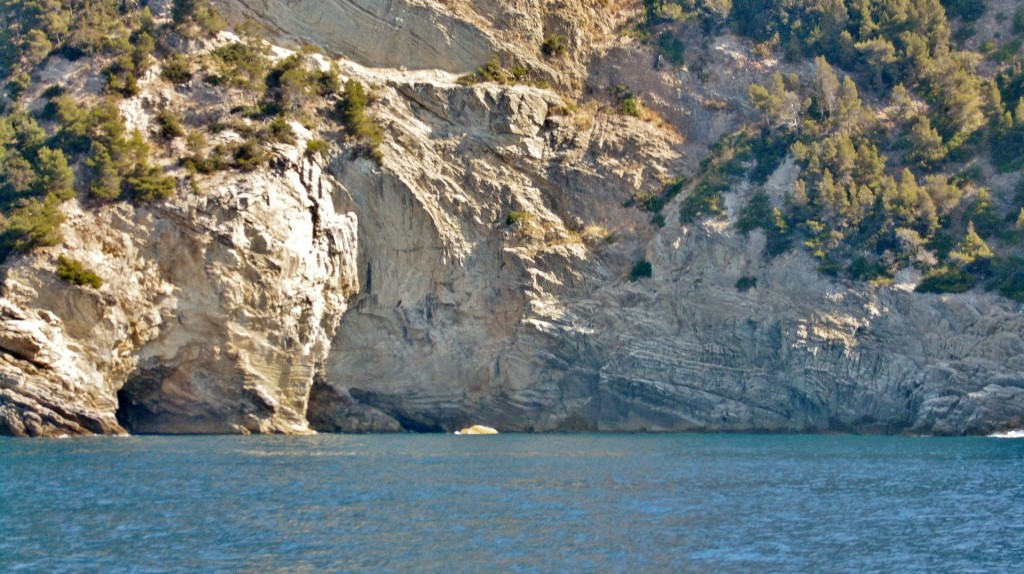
(512, 503)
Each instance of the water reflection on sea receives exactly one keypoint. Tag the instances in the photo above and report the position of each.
(512, 503)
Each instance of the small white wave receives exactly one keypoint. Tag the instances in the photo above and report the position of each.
(1019, 433)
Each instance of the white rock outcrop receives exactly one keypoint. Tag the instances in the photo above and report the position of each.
(216, 312)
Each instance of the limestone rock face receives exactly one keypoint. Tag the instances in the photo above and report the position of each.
(481, 271)
(467, 317)
(377, 33)
(215, 313)
(456, 36)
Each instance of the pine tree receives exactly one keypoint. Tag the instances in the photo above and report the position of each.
(826, 85)
(971, 248)
(945, 196)
(35, 223)
(17, 178)
(780, 106)
(106, 181)
(55, 177)
(851, 109)
(879, 55)
(926, 143)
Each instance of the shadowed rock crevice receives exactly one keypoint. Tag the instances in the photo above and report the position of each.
(132, 412)
(333, 410)
(145, 405)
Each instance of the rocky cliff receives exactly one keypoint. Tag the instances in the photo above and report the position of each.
(481, 271)
(217, 312)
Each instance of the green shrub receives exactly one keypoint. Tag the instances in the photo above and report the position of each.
(169, 125)
(647, 201)
(290, 85)
(17, 178)
(198, 160)
(517, 217)
(18, 85)
(946, 280)
(353, 110)
(756, 214)
(105, 173)
(672, 48)
(122, 77)
(520, 72)
(176, 69)
(242, 65)
(194, 17)
(768, 151)
(655, 202)
(705, 200)
(34, 223)
(865, 269)
(630, 106)
(966, 10)
(714, 104)
(54, 91)
(555, 45)
(148, 183)
(746, 283)
(53, 174)
(327, 83)
(281, 130)
(76, 273)
(492, 71)
(1008, 278)
(317, 146)
(641, 269)
(829, 266)
(250, 155)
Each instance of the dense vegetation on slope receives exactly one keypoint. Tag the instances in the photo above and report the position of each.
(909, 144)
(56, 145)
(895, 133)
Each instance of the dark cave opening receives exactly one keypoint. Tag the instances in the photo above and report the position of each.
(129, 410)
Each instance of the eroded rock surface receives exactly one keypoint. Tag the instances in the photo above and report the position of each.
(530, 327)
(216, 312)
(480, 273)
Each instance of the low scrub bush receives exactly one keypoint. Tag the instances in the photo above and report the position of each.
(517, 217)
(746, 283)
(555, 45)
(76, 273)
(317, 146)
(641, 269)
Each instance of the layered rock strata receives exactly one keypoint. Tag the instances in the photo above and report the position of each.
(481, 272)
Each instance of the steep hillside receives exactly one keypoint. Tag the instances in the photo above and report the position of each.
(538, 216)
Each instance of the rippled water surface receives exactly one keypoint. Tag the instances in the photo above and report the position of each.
(512, 503)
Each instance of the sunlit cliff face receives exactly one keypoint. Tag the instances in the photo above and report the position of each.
(482, 265)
